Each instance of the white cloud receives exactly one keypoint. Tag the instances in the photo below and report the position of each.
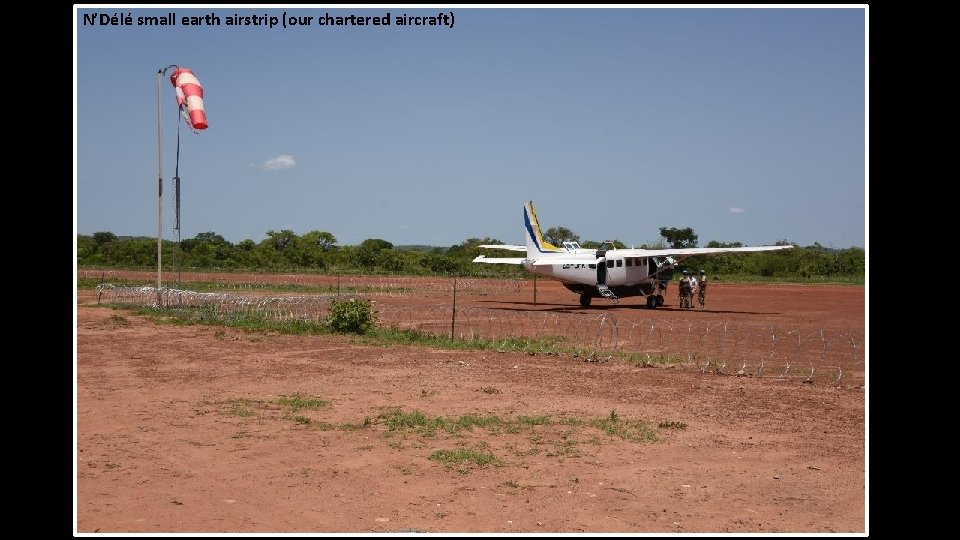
(736, 210)
(279, 163)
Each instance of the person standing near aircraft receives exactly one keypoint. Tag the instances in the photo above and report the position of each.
(685, 299)
(693, 287)
(702, 289)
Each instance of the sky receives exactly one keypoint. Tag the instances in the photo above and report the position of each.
(747, 125)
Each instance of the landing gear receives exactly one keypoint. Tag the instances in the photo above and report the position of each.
(659, 300)
(585, 300)
(651, 302)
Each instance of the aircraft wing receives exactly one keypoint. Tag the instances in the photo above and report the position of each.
(500, 260)
(549, 261)
(510, 247)
(689, 252)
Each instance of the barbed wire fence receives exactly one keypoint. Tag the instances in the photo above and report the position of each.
(387, 285)
(722, 347)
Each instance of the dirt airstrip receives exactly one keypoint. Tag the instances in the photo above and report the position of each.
(206, 429)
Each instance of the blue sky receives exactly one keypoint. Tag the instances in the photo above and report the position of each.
(745, 124)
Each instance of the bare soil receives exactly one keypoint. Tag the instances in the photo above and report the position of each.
(190, 429)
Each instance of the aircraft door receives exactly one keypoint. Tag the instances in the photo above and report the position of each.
(601, 271)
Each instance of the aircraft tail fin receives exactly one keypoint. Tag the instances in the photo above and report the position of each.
(536, 245)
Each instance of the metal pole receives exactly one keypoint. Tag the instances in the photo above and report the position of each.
(534, 289)
(159, 193)
(453, 320)
(178, 260)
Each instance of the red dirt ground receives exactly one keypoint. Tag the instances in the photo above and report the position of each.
(182, 429)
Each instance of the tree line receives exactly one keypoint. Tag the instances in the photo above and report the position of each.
(319, 251)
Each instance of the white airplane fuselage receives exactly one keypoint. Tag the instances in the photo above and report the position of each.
(627, 272)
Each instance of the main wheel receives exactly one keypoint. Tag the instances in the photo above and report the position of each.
(659, 300)
(585, 300)
(651, 302)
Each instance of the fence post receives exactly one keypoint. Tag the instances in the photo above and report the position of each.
(534, 289)
(453, 319)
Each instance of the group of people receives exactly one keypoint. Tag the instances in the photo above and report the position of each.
(690, 286)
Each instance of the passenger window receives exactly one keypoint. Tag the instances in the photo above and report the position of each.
(592, 266)
(629, 262)
(619, 263)
(609, 264)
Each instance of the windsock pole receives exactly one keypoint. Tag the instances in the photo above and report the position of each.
(159, 193)
(160, 73)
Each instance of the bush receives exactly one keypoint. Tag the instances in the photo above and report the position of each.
(351, 317)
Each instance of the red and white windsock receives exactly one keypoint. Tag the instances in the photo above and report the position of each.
(189, 94)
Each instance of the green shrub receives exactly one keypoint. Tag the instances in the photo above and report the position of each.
(351, 317)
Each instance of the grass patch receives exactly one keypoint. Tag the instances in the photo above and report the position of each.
(243, 407)
(630, 430)
(541, 431)
(298, 403)
(469, 421)
(207, 315)
(253, 321)
(327, 426)
(240, 407)
(396, 419)
(565, 448)
(464, 459)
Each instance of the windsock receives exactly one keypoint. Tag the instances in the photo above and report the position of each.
(189, 94)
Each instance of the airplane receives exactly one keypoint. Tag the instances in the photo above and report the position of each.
(604, 272)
